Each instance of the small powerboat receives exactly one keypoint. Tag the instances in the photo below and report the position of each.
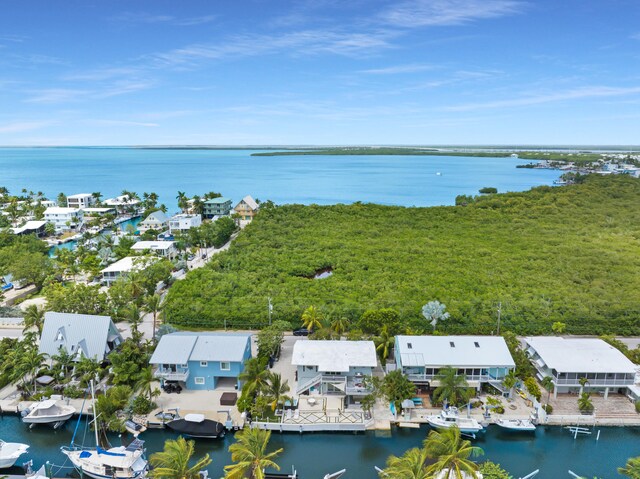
(450, 417)
(10, 452)
(522, 425)
(47, 412)
(134, 428)
(195, 425)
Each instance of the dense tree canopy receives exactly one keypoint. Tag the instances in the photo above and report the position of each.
(567, 255)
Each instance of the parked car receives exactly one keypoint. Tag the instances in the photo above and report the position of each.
(302, 332)
(172, 387)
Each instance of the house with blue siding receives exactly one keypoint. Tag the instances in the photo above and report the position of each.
(202, 360)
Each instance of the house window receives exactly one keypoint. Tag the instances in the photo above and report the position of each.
(476, 344)
(409, 346)
(199, 380)
(225, 366)
(204, 364)
(452, 344)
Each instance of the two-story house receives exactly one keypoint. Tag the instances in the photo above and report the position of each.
(64, 219)
(157, 221)
(202, 360)
(334, 367)
(164, 249)
(246, 208)
(568, 360)
(480, 359)
(216, 207)
(183, 222)
(80, 335)
(81, 200)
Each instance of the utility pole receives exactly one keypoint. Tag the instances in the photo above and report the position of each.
(499, 311)
(270, 310)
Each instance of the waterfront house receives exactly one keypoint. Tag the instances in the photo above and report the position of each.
(567, 360)
(247, 208)
(164, 249)
(481, 359)
(157, 221)
(123, 267)
(334, 367)
(93, 211)
(81, 200)
(31, 227)
(64, 219)
(79, 334)
(202, 360)
(123, 204)
(183, 222)
(217, 207)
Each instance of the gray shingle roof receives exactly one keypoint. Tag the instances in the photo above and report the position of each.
(180, 347)
(86, 332)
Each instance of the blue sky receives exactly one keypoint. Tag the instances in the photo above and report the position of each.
(222, 72)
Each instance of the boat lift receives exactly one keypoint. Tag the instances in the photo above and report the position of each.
(531, 475)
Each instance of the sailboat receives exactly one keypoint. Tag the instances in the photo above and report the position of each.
(122, 462)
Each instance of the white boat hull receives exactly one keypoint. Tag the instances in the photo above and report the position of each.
(10, 452)
(91, 467)
(516, 425)
(47, 419)
(47, 412)
(464, 428)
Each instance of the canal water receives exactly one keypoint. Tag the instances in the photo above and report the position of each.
(71, 245)
(553, 450)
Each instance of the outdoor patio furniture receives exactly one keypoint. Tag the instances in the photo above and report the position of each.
(228, 399)
(311, 401)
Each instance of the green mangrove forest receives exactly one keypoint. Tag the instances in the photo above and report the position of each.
(567, 255)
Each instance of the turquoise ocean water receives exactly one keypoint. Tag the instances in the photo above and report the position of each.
(552, 449)
(392, 180)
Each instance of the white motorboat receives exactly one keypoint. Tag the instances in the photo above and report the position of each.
(523, 425)
(450, 417)
(47, 412)
(114, 463)
(10, 452)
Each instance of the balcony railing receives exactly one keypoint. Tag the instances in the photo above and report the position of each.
(594, 382)
(172, 375)
(471, 377)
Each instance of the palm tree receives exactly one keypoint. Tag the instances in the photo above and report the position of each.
(30, 362)
(384, 343)
(583, 383)
(312, 318)
(250, 456)
(584, 403)
(452, 454)
(153, 304)
(411, 465)
(34, 318)
(510, 381)
(453, 387)
(631, 468)
(276, 389)
(182, 200)
(340, 325)
(145, 382)
(254, 376)
(547, 383)
(173, 461)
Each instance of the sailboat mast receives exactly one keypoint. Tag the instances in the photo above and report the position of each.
(95, 415)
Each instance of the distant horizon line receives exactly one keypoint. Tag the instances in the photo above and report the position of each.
(493, 146)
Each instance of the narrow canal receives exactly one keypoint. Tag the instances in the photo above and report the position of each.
(72, 244)
(552, 449)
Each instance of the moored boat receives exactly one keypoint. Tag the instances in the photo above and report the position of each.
(10, 452)
(195, 425)
(47, 412)
(450, 417)
(523, 425)
(114, 463)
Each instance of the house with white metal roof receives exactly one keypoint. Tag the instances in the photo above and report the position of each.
(201, 360)
(184, 222)
(481, 359)
(125, 266)
(81, 200)
(246, 208)
(567, 360)
(80, 335)
(157, 221)
(334, 367)
(64, 219)
(164, 249)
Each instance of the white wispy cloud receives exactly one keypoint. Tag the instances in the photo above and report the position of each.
(396, 69)
(150, 18)
(574, 94)
(69, 95)
(635, 36)
(56, 95)
(301, 42)
(20, 126)
(422, 13)
(121, 123)
(106, 73)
